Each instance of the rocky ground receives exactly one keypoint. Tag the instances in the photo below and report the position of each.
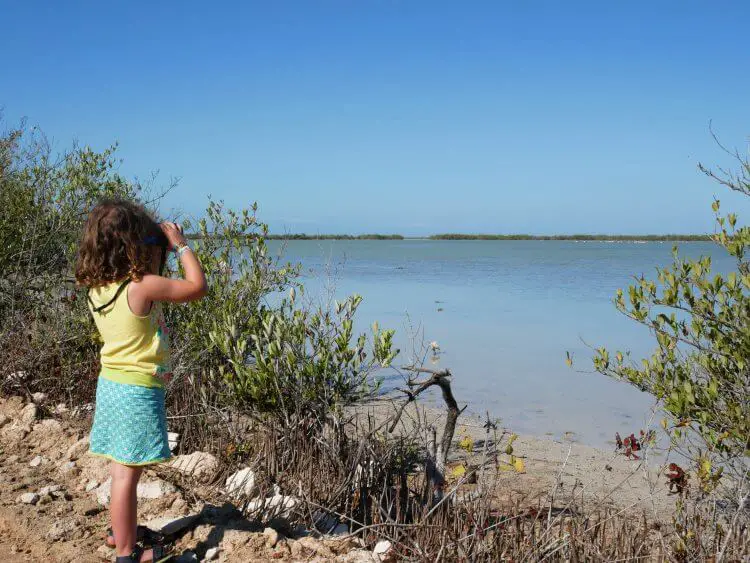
(54, 496)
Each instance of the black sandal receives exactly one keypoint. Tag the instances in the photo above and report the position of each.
(161, 553)
(143, 535)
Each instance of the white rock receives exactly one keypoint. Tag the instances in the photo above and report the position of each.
(36, 462)
(60, 529)
(49, 489)
(61, 408)
(154, 489)
(277, 506)
(39, 398)
(211, 554)
(170, 525)
(28, 414)
(91, 485)
(69, 467)
(272, 537)
(173, 439)
(200, 465)
(78, 449)
(147, 490)
(104, 491)
(241, 483)
(28, 498)
(380, 552)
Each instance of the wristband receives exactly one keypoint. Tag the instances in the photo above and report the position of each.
(182, 249)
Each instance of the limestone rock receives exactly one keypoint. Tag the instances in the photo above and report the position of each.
(200, 465)
(154, 489)
(211, 554)
(37, 461)
(39, 398)
(241, 483)
(103, 492)
(49, 490)
(28, 414)
(382, 550)
(91, 485)
(28, 498)
(277, 506)
(170, 525)
(69, 468)
(146, 490)
(272, 537)
(61, 529)
(78, 449)
(173, 439)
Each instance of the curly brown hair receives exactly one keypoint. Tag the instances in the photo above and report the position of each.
(118, 242)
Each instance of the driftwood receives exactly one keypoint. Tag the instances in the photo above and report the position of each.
(438, 451)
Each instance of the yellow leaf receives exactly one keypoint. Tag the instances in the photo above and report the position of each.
(458, 471)
(467, 444)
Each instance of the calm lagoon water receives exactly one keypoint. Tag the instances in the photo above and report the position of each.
(504, 314)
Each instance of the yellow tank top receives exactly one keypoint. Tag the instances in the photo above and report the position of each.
(136, 348)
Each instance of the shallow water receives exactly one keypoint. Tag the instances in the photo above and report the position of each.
(504, 314)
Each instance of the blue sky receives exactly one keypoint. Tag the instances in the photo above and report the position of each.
(399, 116)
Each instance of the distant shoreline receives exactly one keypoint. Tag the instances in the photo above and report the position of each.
(575, 237)
(461, 236)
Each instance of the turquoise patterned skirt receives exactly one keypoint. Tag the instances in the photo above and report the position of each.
(130, 424)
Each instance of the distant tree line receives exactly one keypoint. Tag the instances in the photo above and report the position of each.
(304, 236)
(463, 236)
(459, 236)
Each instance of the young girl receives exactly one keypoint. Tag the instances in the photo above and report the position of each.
(122, 253)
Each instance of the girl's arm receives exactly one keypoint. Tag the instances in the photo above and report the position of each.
(157, 288)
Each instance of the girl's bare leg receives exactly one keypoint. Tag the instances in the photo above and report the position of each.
(123, 506)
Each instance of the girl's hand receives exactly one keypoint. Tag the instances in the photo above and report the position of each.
(174, 235)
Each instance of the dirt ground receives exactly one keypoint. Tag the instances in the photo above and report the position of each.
(53, 495)
(53, 499)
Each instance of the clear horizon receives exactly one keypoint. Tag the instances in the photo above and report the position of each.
(412, 118)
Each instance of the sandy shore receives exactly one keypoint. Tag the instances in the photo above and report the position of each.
(565, 471)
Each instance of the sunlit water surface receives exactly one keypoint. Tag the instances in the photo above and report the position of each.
(504, 314)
